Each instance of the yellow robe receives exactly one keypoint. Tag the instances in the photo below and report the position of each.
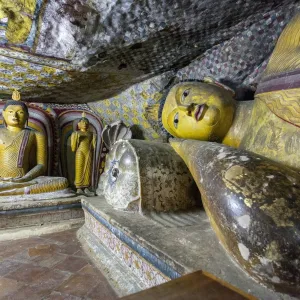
(84, 144)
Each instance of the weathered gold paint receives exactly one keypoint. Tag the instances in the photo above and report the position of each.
(279, 212)
(272, 137)
(234, 184)
(20, 14)
(273, 251)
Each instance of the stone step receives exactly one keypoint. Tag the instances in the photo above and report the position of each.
(22, 214)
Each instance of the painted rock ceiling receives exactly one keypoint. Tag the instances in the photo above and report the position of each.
(78, 51)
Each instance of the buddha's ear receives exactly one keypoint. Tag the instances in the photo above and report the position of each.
(4, 114)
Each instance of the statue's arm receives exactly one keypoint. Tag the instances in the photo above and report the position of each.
(94, 141)
(74, 137)
(41, 159)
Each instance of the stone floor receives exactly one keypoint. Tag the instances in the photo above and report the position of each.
(51, 266)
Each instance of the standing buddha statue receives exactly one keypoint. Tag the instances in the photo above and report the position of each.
(83, 142)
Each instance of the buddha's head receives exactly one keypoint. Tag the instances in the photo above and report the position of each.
(199, 110)
(83, 124)
(15, 112)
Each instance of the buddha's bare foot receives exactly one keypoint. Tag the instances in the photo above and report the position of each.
(88, 193)
(80, 192)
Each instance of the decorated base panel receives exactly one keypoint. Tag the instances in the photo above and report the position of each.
(139, 266)
(136, 259)
(39, 213)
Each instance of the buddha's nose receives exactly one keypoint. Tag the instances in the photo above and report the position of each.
(190, 109)
(187, 108)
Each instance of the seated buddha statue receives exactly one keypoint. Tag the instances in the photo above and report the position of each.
(245, 160)
(23, 155)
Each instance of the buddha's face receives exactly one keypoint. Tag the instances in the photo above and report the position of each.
(15, 116)
(196, 110)
(83, 125)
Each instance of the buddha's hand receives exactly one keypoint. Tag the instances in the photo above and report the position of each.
(18, 179)
(8, 179)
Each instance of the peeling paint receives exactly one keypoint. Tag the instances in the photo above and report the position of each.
(280, 212)
(244, 251)
(221, 155)
(273, 251)
(264, 260)
(244, 158)
(244, 221)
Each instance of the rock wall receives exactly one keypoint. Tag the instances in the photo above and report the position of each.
(69, 51)
(237, 62)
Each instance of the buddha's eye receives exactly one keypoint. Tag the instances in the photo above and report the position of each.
(176, 120)
(184, 95)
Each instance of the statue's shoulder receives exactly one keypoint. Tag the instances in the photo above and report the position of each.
(34, 132)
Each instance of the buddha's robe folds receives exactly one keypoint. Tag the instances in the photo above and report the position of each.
(84, 144)
(24, 157)
(274, 128)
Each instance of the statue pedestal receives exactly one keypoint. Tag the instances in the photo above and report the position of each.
(26, 218)
(139, 252)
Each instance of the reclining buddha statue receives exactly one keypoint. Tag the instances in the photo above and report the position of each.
(245, 160)
(23, 157)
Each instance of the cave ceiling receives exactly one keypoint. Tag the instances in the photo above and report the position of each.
(75, 51)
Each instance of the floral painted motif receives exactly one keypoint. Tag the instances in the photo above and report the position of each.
(138, 265)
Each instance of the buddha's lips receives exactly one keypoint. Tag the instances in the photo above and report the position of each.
(199, 111)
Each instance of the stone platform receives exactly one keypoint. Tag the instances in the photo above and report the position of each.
(139, 252)
(25, 218)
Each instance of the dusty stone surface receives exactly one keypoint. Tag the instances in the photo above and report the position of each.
(36, 204)
(38, 197)
(25, 214)
(185, 248)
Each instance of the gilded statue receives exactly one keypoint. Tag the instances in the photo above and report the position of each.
(23, 155)
(245, 159)
(20, 14)
(83, 143)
